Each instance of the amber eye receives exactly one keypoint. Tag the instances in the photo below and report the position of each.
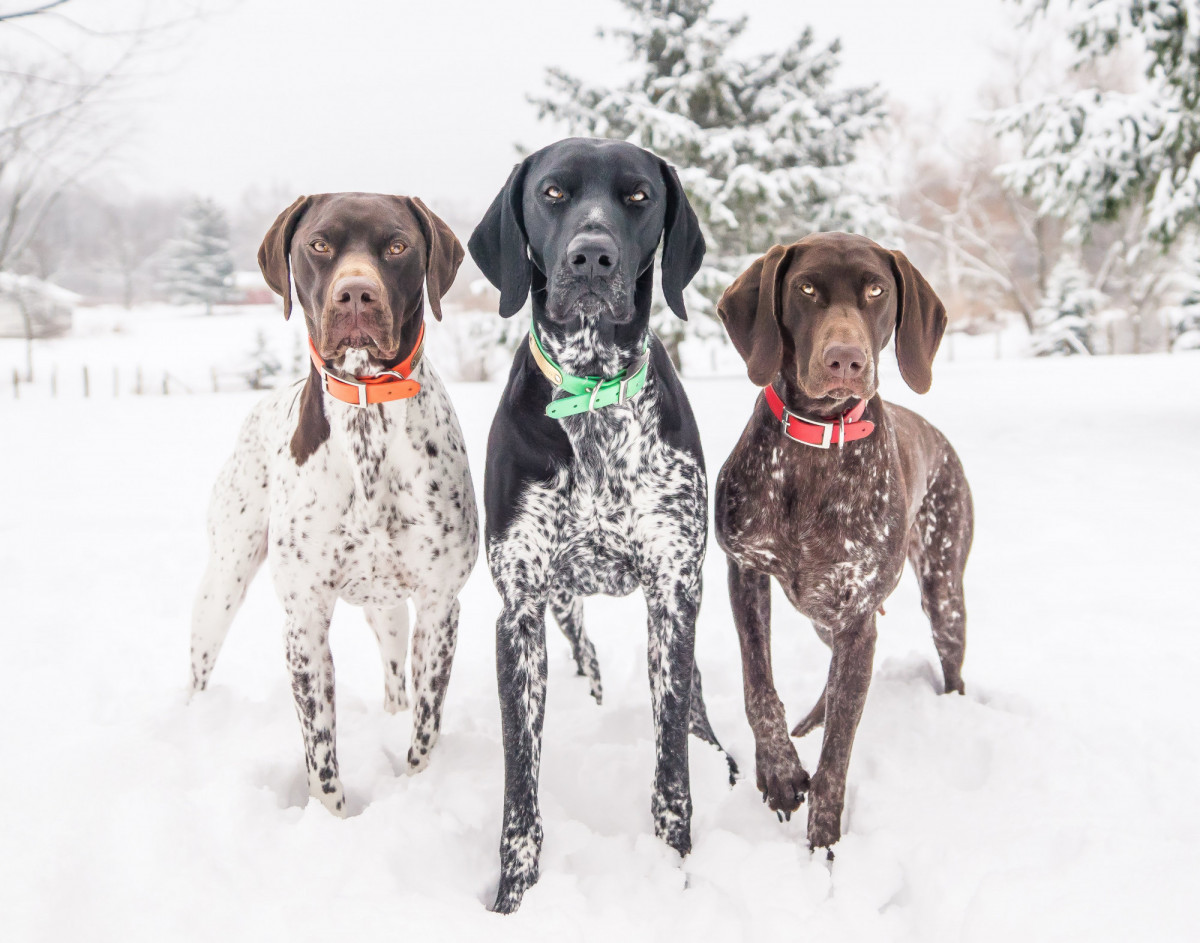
(638, 196)
(395, 248)
(554, 192)
(874, 291)
(807, 288)
(320, 245)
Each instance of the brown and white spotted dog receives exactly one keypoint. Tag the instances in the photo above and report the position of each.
(832, 495)
(371, 504)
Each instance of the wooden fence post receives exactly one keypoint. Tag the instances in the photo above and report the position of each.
(166, 388)
(116, 382)
(86, 384)
(137, 382)
(214, 379)
(16, 384)
(54, 380)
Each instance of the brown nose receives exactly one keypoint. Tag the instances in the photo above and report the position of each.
(845, 361)
(356, 293)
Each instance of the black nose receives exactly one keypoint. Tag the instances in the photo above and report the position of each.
(356, 293)
(845, 361)
(590, 254)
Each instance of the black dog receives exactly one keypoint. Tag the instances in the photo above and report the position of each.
(601, 490)
(833, 525)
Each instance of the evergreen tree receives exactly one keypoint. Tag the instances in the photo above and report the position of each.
(765, 145)
(199, 265)
(1184, 319)
(1091, 154)
(1065, 320)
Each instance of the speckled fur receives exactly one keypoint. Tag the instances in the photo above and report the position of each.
(605, 502)
(833, 527)
(374, 506)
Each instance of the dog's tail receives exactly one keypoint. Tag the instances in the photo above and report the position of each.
(698, 724)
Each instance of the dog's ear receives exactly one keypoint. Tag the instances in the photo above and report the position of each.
(274, 255)
(920, 324)
(749, 309)
(444, 253)
(499, 245)
(683, 243)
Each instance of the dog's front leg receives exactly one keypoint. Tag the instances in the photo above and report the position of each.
(311, 663)
(521, 679)
(845, 694)
(434, 640)
(781, 778)
(672, 601)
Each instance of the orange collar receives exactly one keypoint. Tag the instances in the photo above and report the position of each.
(846, 428)
(385, 387)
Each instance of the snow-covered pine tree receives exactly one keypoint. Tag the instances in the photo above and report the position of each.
(1184, 318)
(264, 367)
(1065, 320)
(765, 145)
(199, 265)
(1091, 154)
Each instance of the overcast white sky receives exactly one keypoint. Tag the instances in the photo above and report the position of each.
(427, 98)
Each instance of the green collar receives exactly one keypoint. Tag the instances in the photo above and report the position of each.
(587, 394)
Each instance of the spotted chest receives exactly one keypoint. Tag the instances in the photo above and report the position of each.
(830, 526)
(382, 510)
(628, 509)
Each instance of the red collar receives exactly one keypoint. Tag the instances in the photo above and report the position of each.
(848, 427)
(385, 387)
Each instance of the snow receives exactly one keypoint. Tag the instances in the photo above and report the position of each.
(1055, 801)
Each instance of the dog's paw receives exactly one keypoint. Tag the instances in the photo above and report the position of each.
(332, 796)
(395, 701)
(781, 779)
(673, 821)
(419, 752)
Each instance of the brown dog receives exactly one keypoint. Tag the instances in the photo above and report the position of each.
(829, 489)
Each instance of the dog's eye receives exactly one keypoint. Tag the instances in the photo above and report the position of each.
(319, 245)
(554, 192)
(874, 291)
(638, 196)
(807, 288)
(396, 248)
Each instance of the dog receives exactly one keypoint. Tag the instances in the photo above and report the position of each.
(830, 488)
(353, 482)
(595, 479)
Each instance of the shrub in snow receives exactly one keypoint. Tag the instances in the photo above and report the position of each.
(264, 367)
(1065, 320)
(765, 145)
(199, 265)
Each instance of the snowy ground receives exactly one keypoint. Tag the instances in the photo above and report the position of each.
(1055, 802)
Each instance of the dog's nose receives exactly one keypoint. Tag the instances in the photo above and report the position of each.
(356, 292)
(592, 254)
(845, 361)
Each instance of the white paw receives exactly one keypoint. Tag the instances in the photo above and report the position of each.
(334, 801)
(395, 702)
(418, 754)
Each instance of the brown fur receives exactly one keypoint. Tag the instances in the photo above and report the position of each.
(835, 526)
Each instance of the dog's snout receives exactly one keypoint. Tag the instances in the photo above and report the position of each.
(845, 361)
(356, 292)
(592, 254)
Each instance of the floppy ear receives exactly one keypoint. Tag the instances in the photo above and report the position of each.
(683, 243)
(274, 254)
(444, 253)
(749, 309)
(499, 246)
(920, 324)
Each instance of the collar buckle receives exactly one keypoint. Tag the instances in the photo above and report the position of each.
(826, 434)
